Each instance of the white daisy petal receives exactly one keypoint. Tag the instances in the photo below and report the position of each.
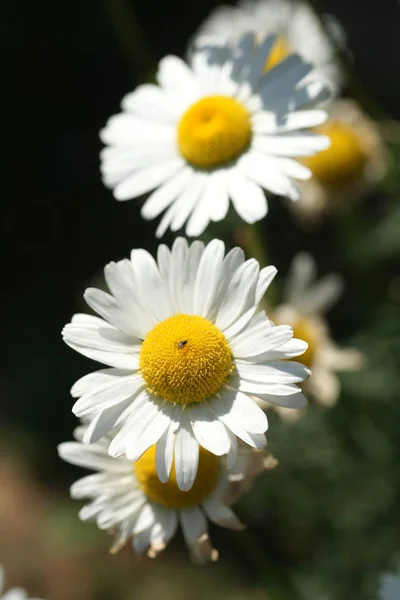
(121, 129)
(265, 278)
(141, 541)
(201, 214)
(260, 169)
(165, 452)
(210, 433)
(260, 341)
(194, 524)
(120, 278)
(145, 520)
(218, 189)
(150, 435)
(275, 372)
(223, 409)
(291, 145)
(147, 179)
(294, 347)
(240, 294)
(207, 278)
(106, 306)
(186, 456)
(105, 420)
(266, 122)
(150, 285)
(239, 407)
(120, 441)
(91, 457)
(95, 381)
(148, 100)
(293, 401)
(174, 73)
(111, 393)
(233, 450)
(220, 514)
(166, 194)
(247, 197)
(185, 205)
(113, 359)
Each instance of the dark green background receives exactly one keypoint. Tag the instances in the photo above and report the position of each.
(325, 524)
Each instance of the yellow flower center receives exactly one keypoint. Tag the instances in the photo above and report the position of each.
(279, 52)
(185, 359)
(214, 131)
(341, 164)
(306, 330)
(168, 494)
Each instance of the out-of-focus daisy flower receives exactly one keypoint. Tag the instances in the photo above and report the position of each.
(130, 499)
(297, 27)
(217, 129)
(14, 593)
(304, 304)
(355, 161)
(389, 587)
(187, 354)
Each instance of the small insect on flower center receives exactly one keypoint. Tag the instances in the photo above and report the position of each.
(185, 359)
(341, 164)
(214, 131)
(280, 51)
(168, 494)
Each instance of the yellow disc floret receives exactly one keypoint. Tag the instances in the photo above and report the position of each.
(341, 164)
(214, 131)
(280, 51)
(185, 359)
(168, 494)
(305, 329)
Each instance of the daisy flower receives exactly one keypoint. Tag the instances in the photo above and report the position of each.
(130, 499)
(304, 304)
(355, 161)
(297, 27)
(216, 130)
(14, 593)
(187, 352)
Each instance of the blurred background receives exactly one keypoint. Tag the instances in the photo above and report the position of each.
(325, 524)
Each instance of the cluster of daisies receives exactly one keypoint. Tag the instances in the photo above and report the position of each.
(175, 424)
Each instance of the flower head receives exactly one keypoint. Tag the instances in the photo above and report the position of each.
(297, 27)
(216, 130)
(354, 162)
(187, 352)
(130, 499)
(304, 304)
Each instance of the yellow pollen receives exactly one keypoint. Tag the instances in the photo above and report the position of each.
(185, 359)
(168, 494)
(305, 329)
(214, 131)
(341, 164)
(279, 52)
